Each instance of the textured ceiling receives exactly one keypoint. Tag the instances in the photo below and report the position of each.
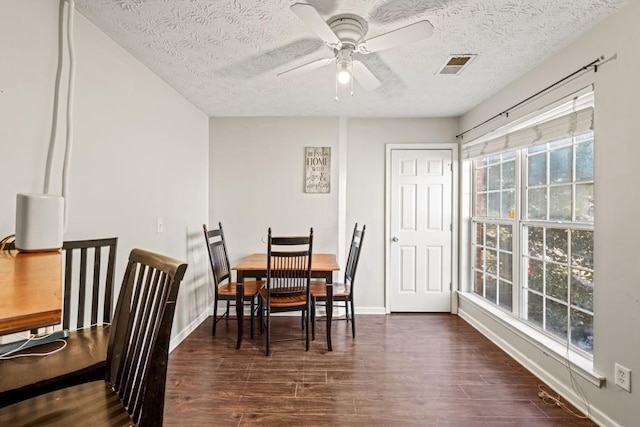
(224, 55)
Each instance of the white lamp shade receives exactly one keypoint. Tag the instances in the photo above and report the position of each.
(344, 76)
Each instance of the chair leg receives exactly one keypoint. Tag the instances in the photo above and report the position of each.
(353, 317)
(215, 316)
(239, 313)
(228, 306)
(329, 307)
(253, 299)
(307, 314)
(268, 331)
(260, 314)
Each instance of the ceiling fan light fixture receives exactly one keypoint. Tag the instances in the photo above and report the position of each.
(343, 75)
(344, 69)
(344, 65)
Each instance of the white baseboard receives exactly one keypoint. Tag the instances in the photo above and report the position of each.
(339, 310)
(370, 310)
(175, 341)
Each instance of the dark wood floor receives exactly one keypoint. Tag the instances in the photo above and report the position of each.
(401, 370)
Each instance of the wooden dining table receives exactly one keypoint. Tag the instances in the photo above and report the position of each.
(30, 290)
(255, 266)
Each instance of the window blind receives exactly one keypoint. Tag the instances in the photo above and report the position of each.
(568, 117)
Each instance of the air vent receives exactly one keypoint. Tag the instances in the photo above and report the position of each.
(455, 64)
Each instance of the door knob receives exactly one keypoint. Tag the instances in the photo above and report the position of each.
(395, 239)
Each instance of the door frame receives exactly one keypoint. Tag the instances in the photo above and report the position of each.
(455, 220)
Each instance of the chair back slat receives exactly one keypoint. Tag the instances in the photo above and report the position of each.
(108, 288)
(218, 255)
(139, 340)
(147, 337)
(289, 265)
(289, 240)
(122, 357)
(82, 287)
(68, 281)
(88, 286)
(221, 269)
(354, 255)
(97, 259)
(139, 318)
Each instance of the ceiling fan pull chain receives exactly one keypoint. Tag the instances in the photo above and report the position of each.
(351, 72)
(336, 80)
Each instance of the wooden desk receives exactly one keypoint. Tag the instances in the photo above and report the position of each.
(255, 266)
(30, 290)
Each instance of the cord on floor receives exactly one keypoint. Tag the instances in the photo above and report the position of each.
(556, 400)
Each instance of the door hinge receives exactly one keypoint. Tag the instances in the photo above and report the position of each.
(451, 286)
(451, 227)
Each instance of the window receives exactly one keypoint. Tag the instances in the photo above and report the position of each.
(495, 199)
(533, 215)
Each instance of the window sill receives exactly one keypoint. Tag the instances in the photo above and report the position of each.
(579, 364)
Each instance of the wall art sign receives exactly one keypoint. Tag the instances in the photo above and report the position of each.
(317, 161)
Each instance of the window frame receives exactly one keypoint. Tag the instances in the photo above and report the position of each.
(520, 223)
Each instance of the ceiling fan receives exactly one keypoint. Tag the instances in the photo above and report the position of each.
(344, 34)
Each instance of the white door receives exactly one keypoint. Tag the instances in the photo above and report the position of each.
(420, 230)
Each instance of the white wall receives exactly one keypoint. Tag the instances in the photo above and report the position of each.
(257, 181)
(140, 150)
(257, 175)
(617, 293)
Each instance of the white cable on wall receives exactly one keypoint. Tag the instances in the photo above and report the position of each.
(56, 102)
(69, 123)
(42, 219)
(70, 92)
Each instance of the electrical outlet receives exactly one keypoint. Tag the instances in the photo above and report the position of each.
(159, 226)
(623, 377)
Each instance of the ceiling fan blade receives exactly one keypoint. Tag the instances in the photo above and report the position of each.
(305, 68)
(314, 21)
(410, 33)
(364, 76)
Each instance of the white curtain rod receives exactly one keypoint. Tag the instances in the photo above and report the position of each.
(592, 65)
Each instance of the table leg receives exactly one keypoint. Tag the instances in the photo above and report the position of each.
(329, 308)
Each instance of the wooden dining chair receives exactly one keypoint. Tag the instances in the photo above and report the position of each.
(288, 279)
(341, 292)
(224, 288)
(132, 391)
(89, 267)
